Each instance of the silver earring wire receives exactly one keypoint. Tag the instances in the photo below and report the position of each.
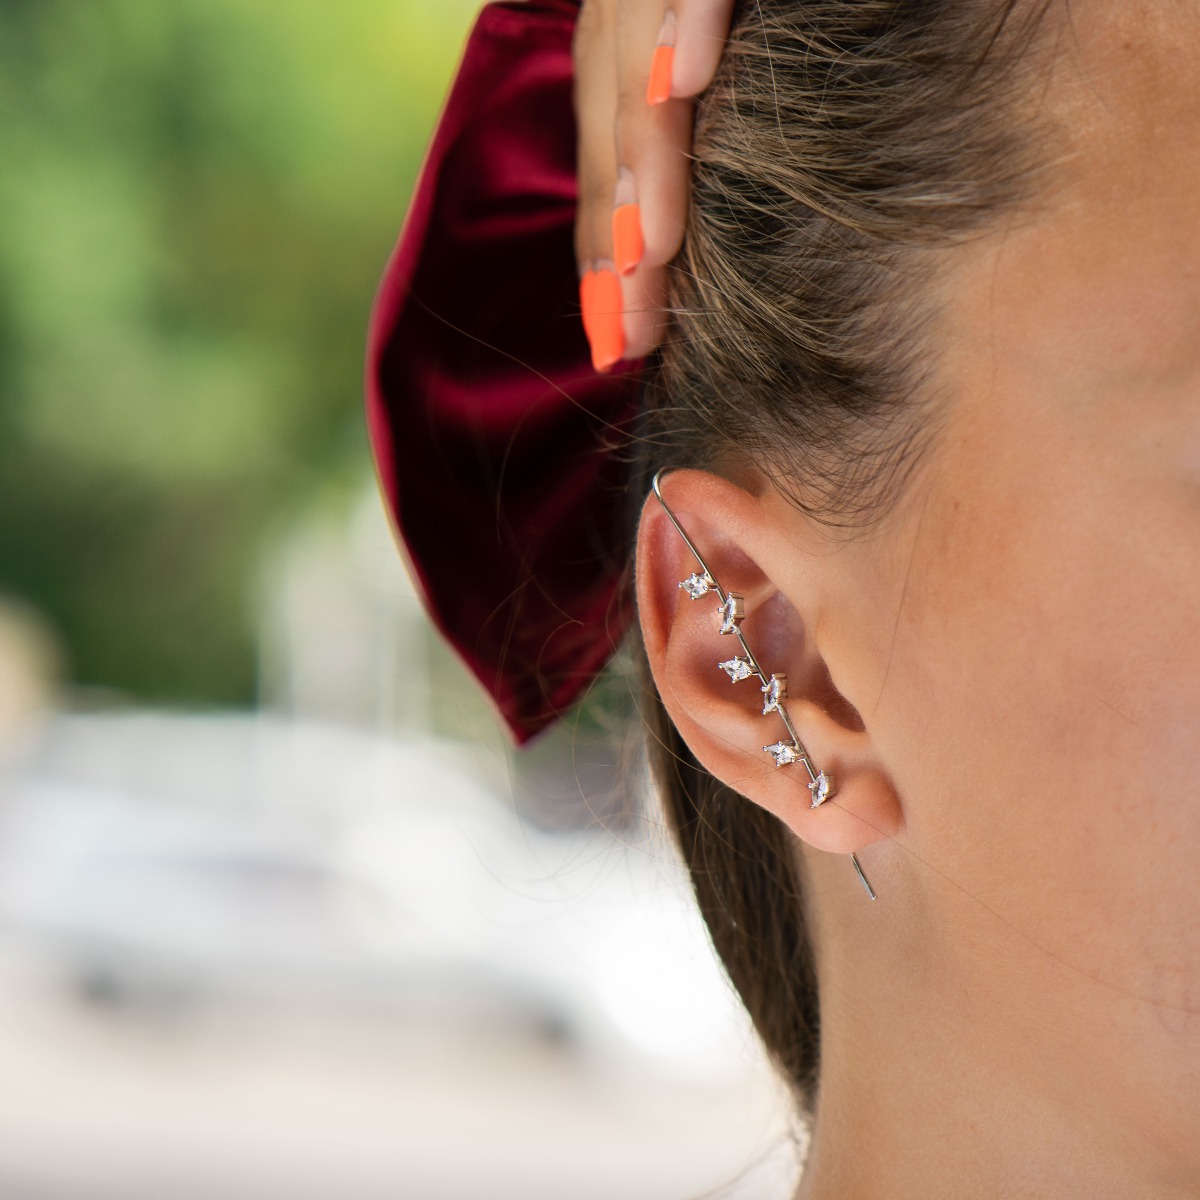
(773, 687)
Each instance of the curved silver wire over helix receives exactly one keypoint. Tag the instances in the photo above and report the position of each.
(732, 611)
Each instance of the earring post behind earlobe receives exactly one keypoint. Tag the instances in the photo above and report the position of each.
(859, 871)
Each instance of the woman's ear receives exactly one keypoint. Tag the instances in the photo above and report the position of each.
(722, 720)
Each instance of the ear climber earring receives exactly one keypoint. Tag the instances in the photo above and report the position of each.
(732, 612)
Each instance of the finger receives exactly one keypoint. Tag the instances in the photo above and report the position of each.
(654, 144)
(638, 25)
(600, 293)
(653, 140)
(595, 109)
(644, 297)
(701, 31)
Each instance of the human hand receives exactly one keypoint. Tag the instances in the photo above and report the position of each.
(638, 66)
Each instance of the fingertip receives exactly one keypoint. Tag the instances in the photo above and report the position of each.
(644, 312)
(702, 34)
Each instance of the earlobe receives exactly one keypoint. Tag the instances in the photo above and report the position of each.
(716, 529)
(864, 807)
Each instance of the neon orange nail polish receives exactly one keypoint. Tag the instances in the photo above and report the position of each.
(585, 302)
(627, 237)
(662, 69)
(604, 319)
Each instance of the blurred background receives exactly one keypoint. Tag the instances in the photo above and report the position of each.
(280, 914)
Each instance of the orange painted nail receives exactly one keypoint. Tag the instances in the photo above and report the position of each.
(585, 302)
(627, 237)
(603, 318)
(662, 69)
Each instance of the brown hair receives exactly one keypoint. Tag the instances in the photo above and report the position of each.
(840, 146)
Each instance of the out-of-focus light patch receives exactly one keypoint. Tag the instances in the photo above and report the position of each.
(422, 865)
(31, 668)
(661, 985)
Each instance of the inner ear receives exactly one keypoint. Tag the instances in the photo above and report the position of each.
(821, 688)
(783, 638)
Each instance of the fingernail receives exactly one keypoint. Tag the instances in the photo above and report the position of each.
(603, 317)
(626, 224)
(662, 65)
(585, 302)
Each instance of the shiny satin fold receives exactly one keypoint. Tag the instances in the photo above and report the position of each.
(497, 446)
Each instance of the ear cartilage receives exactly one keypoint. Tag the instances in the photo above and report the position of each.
(732, 612)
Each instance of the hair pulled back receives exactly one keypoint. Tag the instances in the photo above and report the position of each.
(841, 146)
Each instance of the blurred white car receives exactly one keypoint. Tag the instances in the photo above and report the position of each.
(162, 859)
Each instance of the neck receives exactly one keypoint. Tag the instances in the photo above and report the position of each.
(960, 1060)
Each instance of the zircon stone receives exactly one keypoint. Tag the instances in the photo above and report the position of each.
(697, 585)
(820, 788)
(732, 612)
(737, 669)
(774, 693)
(783, 753)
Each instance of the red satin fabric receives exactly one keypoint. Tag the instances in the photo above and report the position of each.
(492, 436)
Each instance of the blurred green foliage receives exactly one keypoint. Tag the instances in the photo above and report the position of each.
(196, 202)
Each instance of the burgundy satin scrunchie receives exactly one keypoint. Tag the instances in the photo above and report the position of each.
(493, 438)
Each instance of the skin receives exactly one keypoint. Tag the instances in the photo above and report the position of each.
(1004, 676)
(618, 130)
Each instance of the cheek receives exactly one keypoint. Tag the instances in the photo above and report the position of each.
(1043, 697)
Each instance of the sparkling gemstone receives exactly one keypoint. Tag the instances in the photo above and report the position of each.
(738, 669)
(783, 753)
(697, 585)
(732, 612)
(820, 788)
(774, 693)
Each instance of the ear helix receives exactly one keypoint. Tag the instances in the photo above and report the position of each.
(732, 611)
